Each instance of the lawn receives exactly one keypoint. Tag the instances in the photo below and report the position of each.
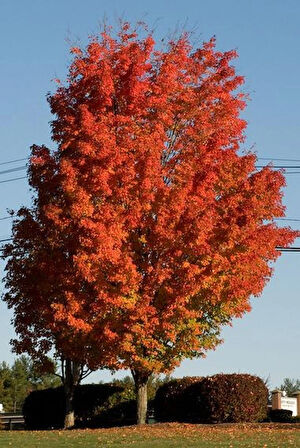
(160, 436)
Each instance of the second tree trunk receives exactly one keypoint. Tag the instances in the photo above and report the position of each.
(141, 383)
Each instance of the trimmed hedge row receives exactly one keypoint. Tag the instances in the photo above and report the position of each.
(170, 403)
(281, 416)
(217, 399)
(44, 409)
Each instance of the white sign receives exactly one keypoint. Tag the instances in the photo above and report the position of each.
(1, 407)
(290, 404)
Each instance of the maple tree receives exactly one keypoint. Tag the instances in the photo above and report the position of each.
(150, 229)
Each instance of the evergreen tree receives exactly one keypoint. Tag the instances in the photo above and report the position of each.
(290, 386)
(17, 381)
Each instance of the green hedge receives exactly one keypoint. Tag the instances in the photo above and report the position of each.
(170, 403)
(44, 409)
(228, 398)
(281, 416)
(220, 398)
(120, 414)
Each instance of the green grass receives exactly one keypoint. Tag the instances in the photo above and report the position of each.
(160, 436)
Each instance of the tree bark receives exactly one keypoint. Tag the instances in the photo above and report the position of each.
(141, 382)
(71, 380)
(69, 421)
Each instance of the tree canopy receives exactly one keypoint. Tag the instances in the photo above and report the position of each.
(150, 229)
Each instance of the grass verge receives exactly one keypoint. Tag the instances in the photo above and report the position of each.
(171, 435)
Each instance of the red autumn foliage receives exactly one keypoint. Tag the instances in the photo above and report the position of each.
(149, 229)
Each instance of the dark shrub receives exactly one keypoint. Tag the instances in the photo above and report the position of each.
(227, 398)
(120, 414)
(281, 416)
(216, 399)
(90, 397)
(44, 409)
(170, 403)
(119, 409)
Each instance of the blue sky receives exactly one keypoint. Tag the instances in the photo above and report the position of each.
(35, 37)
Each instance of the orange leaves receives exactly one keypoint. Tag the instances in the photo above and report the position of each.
(76, 50)
(150, 230)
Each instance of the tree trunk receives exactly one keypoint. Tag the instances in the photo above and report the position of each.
(141, 382)
(69, 420)
(71, 379)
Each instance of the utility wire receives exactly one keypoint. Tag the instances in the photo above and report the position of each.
(14, 178)
(24, 177)
(12, 170)
(276, 166)
(23, 167)
(258, 158)
(279, 248)
(287, 219)
(288, 249)
(6, 217)
(19, 168)
(276, 219)
(13, 161)
(279, 160)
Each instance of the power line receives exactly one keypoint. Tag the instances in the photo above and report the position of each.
(19, 168)
(23, 167)
(14, 178)
(278, 166)
(13, 161)
(288, 249)
(281, 167)
(279, 160)
(6, 217)
(25, 177)
(276, 219)
(287, 219)
(258, 158)
(279, 248)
